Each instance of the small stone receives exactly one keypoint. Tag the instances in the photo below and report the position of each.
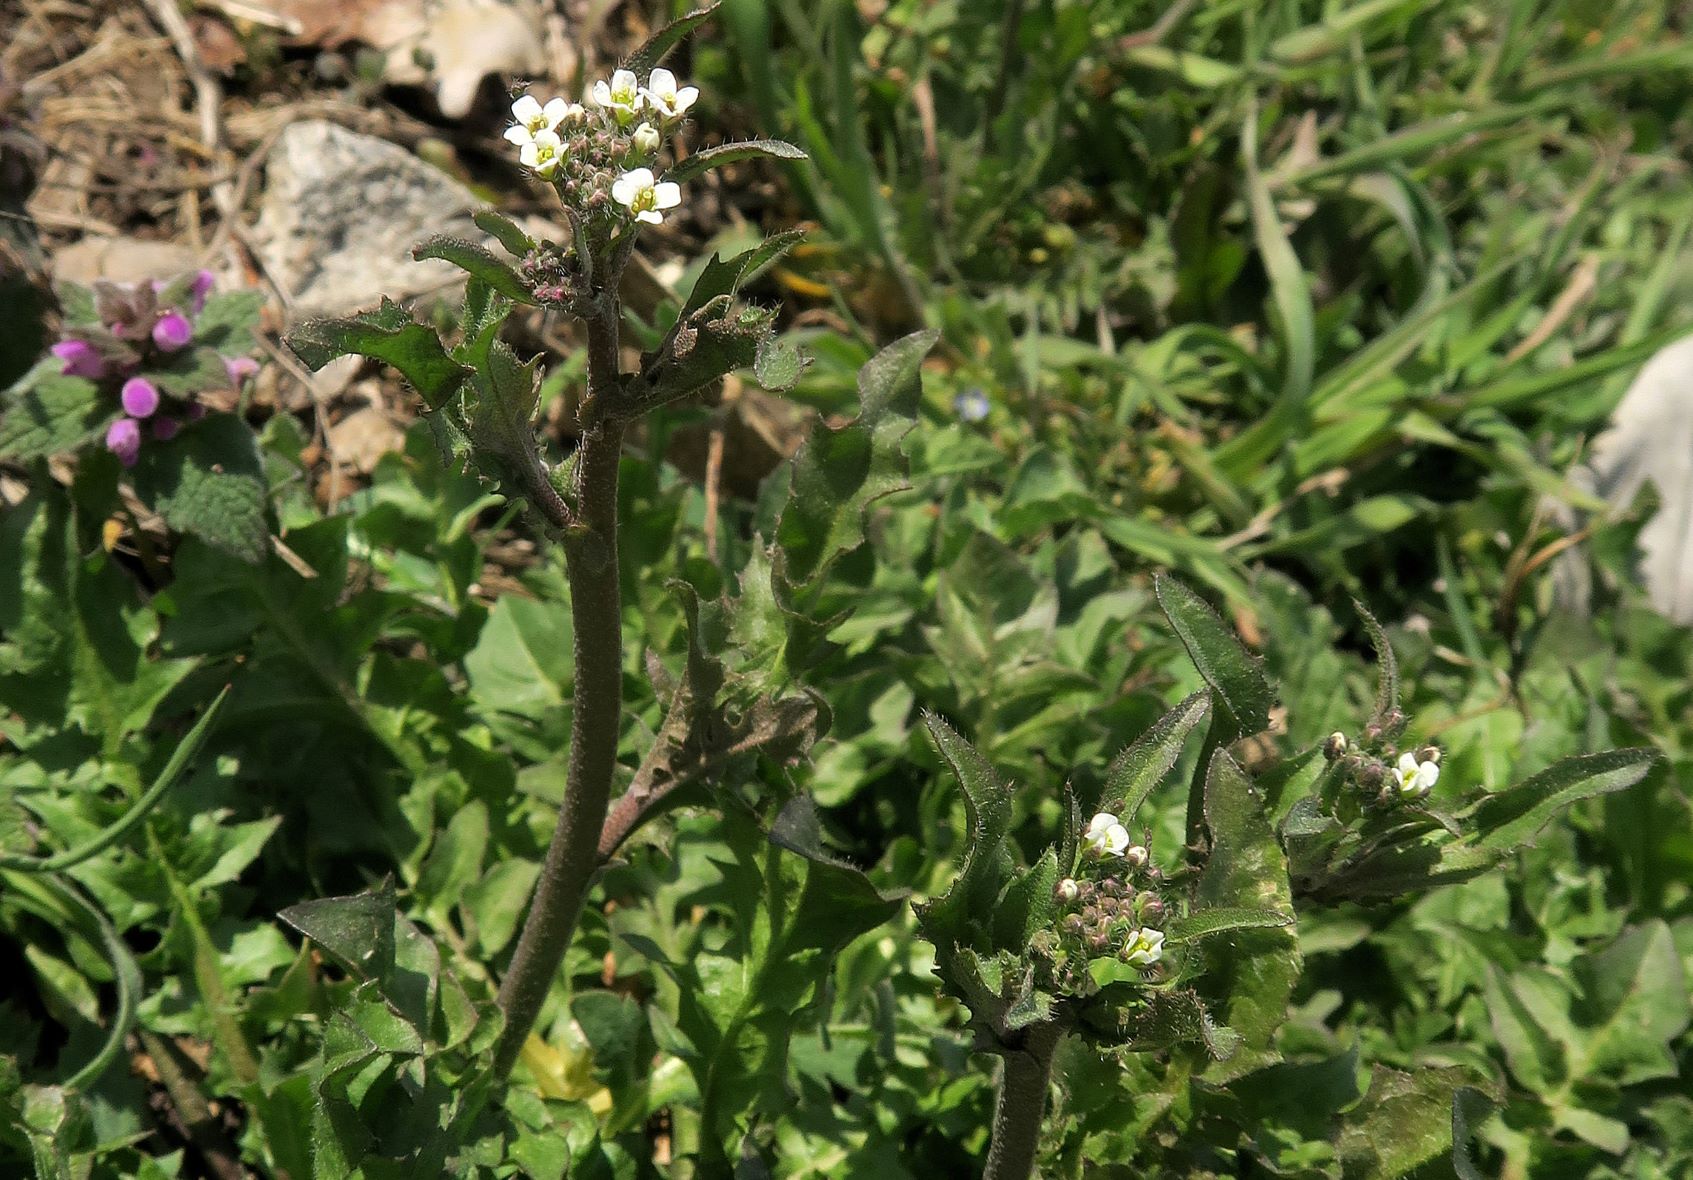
(341, 213)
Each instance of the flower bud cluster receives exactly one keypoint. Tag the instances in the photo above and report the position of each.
(1380, 770)
(141, 326)
(1115, 911)
(1110, 917)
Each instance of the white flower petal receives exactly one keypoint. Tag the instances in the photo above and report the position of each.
(624, 80)
(667, 195)
(662, 83)
(622, 191)
(1099, 823)
(526, 109)
(685, 98)
(650, 216)
(529, 156)
(518, 135)
(555, 111)
(1407, 763)
(601, 94)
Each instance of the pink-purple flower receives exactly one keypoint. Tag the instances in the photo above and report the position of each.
(240, 368)
(172, 331)
(123, 439)
(164, 429)
(202, 287)
(140, 397)
(81, 359)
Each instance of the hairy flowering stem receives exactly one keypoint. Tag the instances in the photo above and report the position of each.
(590, 550)
(1021, 1105)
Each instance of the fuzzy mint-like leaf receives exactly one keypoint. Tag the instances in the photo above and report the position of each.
(77, 303)
(47, 413)
(476, 261)
(1220, 657)
(732, 153)
(190, 372)
(1251, 975)
(390, 335)
(209, 481)
(837, 474)
(228, 321)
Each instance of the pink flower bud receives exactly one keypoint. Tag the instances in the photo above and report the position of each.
(164, 429)
(195, 412)
(123, 439)
(202, 287)
(140, 398)
(172, 331)
(80, 358)
(240, 368)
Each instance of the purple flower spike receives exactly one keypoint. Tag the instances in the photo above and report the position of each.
(80, 358)
(164, 429)
(202, 287)
(172, 331)
(123, 439)
(240, 368)
(140, 397)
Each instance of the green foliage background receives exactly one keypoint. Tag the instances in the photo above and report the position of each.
(1304, 301)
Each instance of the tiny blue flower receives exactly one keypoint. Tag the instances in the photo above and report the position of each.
(972, 405)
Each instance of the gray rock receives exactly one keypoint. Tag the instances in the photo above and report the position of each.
(1649, 441)
(341, 213)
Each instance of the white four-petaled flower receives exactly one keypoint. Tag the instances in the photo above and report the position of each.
(637, 191)
(1105, 836)
(663, 96)
(543, 154)
(1416, 778)
(1143, 947)
(622, 96)
(533, 118)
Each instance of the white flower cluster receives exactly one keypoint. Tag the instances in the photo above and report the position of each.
(541, 146)
(536, 132)
(626, 98)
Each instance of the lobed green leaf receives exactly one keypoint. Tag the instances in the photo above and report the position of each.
(387, 334)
